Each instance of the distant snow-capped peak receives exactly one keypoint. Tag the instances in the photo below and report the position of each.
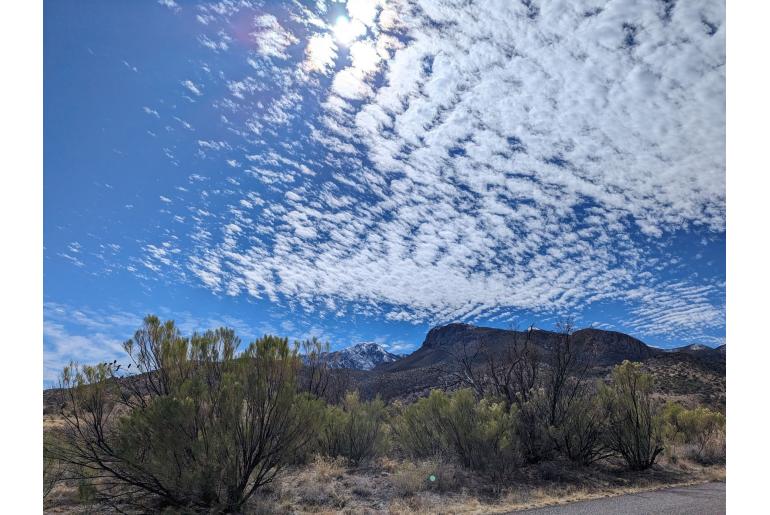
(362, 356)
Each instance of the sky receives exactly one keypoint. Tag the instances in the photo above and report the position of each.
(368, 169)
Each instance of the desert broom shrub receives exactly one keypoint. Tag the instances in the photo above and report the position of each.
(701, 430)
(580, 435)
(634, 425)
(198, 428)
(480, 435)
(353, 430)
(416, 429)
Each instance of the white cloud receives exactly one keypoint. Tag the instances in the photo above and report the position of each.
(364, 11)
(271, 38)
(192, 87)
(482, 158)
(94, 343)
(150, 111)
(364, 57)
(349, 84)
(321, 53)
(171, 4)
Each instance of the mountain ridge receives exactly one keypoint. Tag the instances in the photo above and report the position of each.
(361, 356)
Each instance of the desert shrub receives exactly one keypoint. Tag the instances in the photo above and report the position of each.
(353, 430)
(325, 468)
(634, 426)
(416, 430)
(712, 450)
(532, 430)
(480, 435)
(557, 413)
(580, 435)
(701, 429)
(198, 429)
(673, 430)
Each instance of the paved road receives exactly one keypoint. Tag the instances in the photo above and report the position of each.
(707, 499)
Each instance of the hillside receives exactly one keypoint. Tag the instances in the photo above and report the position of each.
(693, 373)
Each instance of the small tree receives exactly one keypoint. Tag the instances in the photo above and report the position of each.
(514, 373)
(463, 368)
(317, 377)
(634, 427)
(575, 425)
(532, 429)
(197, 428)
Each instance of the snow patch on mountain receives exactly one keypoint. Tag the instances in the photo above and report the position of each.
(362, 356)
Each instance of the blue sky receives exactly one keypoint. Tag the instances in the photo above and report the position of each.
(364, 170)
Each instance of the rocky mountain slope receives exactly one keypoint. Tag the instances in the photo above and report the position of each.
(695, 371)
(441, 343)
(362, 356)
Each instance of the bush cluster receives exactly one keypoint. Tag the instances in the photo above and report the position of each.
(621, 419)
(202, 427)
(198, 428)
(701, 431)
(479, 435)
(353, 430)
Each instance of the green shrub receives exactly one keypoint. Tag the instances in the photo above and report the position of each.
(199, 429)
(353, 430)
(634, 426)
(702, 429)
(480, 435)
(673, 430)
(416, 429)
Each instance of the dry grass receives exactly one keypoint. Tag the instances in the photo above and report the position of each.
(388, 486)
(410, 478)
(52, 422)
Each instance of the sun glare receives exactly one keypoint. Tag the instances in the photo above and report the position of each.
(346, 31)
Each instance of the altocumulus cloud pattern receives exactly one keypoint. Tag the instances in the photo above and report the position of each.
(430, 161)
(460, 159)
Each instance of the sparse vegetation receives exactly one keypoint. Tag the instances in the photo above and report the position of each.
(700, 431)
(202, 427)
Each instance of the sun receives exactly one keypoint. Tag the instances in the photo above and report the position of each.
(347, 31)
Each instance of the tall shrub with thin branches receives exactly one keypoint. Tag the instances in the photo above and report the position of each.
(198, 427)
